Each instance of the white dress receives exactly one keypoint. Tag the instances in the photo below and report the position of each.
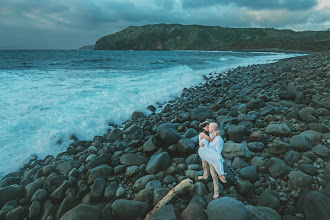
(211, 156)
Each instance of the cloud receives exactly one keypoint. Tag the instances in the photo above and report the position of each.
(73, 23)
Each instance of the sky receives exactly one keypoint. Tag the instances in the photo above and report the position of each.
(70, 24)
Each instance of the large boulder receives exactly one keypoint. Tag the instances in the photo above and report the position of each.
(277, 168)
(321, 151)
(133, 159)
(186, 147)
(308, 114)
(165, 212)
(278, 130)
(168, 133)
(96, 161)
(101, 171)
(193, 212)
(245, 188)
(115, 135)
(300, 143)
(313, 136)
(249, 173)
(232, 150)
(9, 193)
(226, 208)
(137, 115)
(82, 212)
(269, 199)
(158, 162)
(300, 180)
(201, 114)
(129, 209)
(262, 213)
(316, 206)
(237, 133)
(67, 204)
(141, 182)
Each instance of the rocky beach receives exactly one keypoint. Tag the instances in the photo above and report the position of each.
(274, 119)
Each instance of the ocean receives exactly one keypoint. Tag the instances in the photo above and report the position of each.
(47, 96)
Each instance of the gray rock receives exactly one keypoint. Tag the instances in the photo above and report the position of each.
(262, 213)
(39, 195)
(15, 214)
(191, 132)
(168, 133)
(193, 211)
(319, 127)
(132, 129)
(101, 171)
(131, 170)
(316, 206)
(201, 114)
(269, 199)
(82, 212)
(31, 188)
(313, 136)
(257, 161)
(102, 159)
(169, 179)
(153, 184)
(34, 209)
(158, 162)
(309, 169)
(97, 189)
(67, 204)
(279, 147)
(226, 208)
(141, 182)
(277, 168)
(159, 194)
(321, 151)
(193, 159)
(133, 160)
(238, 163)
(256, 146)
(198, 190)
(249, 173)
(278, 130)
(137, 115)
(300, 180)
(9, 193)
(199, 200)
(145, 195)
(237, 133)
(256, 104)
(59, 193)
(107, 213)
(300, 143)
(167, 212)
(110, 190)
(308, 114)
(269, 110)
(129, 209)
(151, 145)
(291, 157)
(48, 169)
(245, 188)
(231, 150)
(66, 167)
(120, 192)
(186, 147)
(115, 135)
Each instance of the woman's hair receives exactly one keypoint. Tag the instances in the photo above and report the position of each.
(202, 126)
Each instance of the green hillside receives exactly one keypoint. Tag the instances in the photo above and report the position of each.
(197, 37)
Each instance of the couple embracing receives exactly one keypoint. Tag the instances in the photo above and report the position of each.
(210, 149)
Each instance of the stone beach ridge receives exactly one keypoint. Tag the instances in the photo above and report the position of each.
(274, 119)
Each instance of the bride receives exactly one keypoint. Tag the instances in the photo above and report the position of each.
(209, 155)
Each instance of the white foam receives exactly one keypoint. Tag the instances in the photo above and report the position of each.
(38, 108)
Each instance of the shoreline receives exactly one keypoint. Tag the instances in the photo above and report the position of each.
(257, 119)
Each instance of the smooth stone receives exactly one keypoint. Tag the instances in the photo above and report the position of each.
(201, 114)
(97, 189)
(256, 146)
(15, 214)
(277, 168)
(269, 199)
(257, 161)
(153, 184)
(309, 169)
(300, 143)
(168, 133)
(226, 208)
(158, 162)
(144, 195)
(232, 150)
(191, 132)
(313, 136)
(278, 129)
(133, 160)
(262, 213)
(316, 206)
(249, 173)
(67, 204)
(299, 180)
(193, 211)
(129, 209)
(321, 151)
(238, 163)
(101, 171)
(291, 157)
(82, 212)
(186, 147)
(9, 193)
(167, 212)
(34, 209)
(141, 182)
(245, 188)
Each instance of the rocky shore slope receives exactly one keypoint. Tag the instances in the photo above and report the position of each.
(274, 119)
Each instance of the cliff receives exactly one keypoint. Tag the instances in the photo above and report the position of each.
(197, 37)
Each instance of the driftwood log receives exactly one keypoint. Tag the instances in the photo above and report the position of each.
(184, 184)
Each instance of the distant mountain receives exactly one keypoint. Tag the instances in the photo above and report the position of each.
(197, 37)
(87, 47)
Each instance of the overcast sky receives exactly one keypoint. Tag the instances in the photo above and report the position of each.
(69, 24)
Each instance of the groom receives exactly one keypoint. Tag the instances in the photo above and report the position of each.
(216, 145)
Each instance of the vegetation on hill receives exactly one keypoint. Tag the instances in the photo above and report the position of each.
(197, 37)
